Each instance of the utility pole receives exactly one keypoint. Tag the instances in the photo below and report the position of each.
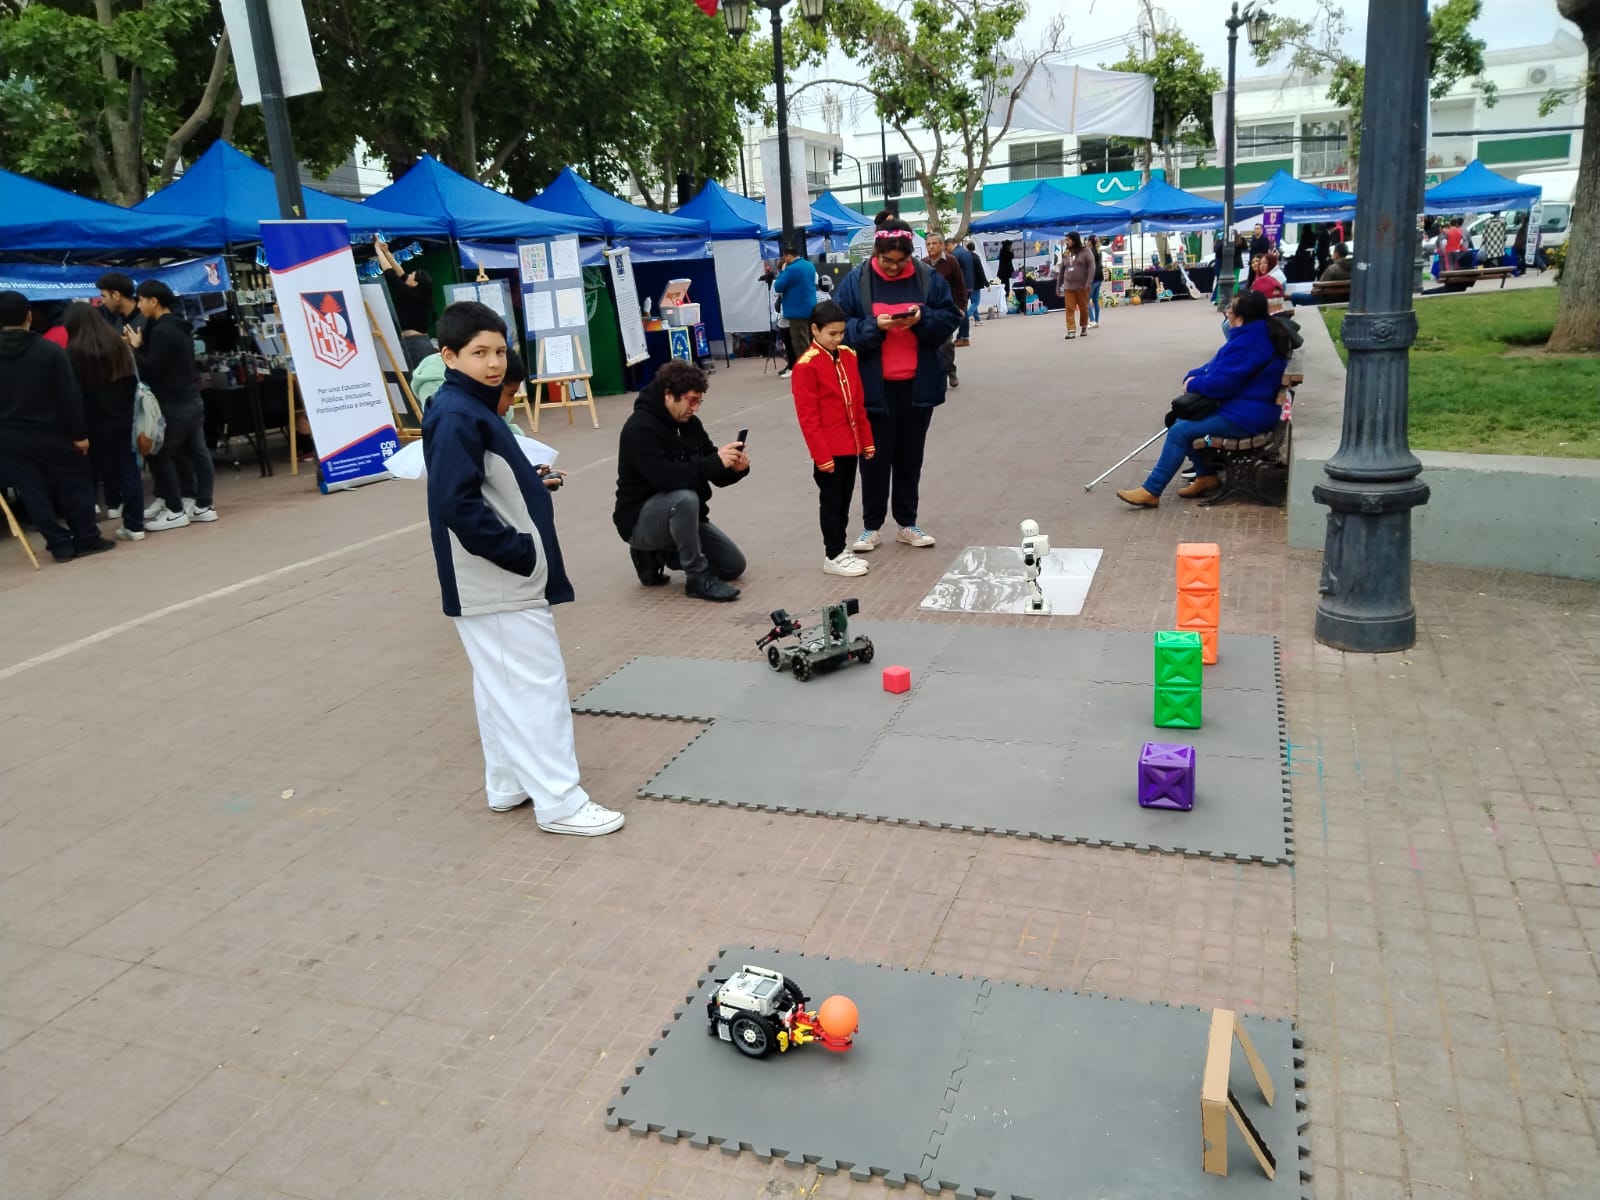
(1372, 483)
(275, 112)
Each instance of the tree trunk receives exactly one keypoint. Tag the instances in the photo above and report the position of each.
(1578, 319)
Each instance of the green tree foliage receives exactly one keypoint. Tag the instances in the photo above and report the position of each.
(1314, 47)
(107, 94)
(1578, 319)
(936, 69)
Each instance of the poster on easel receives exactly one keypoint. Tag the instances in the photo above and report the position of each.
(336, 362)
(629, 316)
(391, 358)
(555, 309)
(493, 293)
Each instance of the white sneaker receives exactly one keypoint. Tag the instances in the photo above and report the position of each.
(845, 564)
(166, 520)
(124, 534)
(911, 535)
(208, 513)
(188, 505)
(783, 374)
(868, 541)
(1094, 324)
(589, 821)
(114, 514)
(155, 510)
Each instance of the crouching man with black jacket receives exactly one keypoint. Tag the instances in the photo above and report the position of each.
(666, 468)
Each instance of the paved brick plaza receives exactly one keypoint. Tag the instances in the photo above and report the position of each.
(262, 938)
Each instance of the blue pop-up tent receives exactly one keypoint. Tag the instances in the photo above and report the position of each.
(1159, 207)
(231, 194)
(845, 219)
(1477, 189)
(1049, 207)
(35, 217)
(726, 214)
(1299, 200)
(471, 211)
(570, 194)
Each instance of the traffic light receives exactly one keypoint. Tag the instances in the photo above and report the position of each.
(838, 161)
(892, 177)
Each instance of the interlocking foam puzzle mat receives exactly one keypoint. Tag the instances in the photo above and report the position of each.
(990, 579)
(1031, 732)
(977, 1087)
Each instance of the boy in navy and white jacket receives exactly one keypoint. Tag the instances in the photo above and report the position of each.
(500, 570)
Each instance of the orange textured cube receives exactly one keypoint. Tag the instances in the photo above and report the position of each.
(897, 679)
(1208, 647)
(1199, 610)
(1199, 566)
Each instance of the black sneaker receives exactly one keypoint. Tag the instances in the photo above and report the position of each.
(647, 566)
(66, 554)
(98, 546)
(709, 587)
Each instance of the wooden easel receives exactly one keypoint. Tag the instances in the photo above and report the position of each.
(406, 432)
(1218, 1103)
(16, 532)
(537, 402)
(294, 449)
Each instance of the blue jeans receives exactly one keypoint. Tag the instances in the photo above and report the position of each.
(965, 329)
(1094, 303)
(1177, 447)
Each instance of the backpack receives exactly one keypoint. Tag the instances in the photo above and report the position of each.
(149, 426)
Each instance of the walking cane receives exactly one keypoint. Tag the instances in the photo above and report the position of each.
(1086, 487)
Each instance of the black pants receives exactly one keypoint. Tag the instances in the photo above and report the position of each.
(116, 470)
(895, 471)
(46, 470)
(669, 523)
(185, 443)
(834, 490)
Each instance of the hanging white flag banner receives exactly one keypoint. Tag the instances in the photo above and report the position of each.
(1067, 99)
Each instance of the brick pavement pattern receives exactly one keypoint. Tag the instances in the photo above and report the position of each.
(262, 937)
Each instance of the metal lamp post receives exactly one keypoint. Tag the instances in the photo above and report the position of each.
(275, 113)
(737, 15)
(1258, 22)
(1372, 483)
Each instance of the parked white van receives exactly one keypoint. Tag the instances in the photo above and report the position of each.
(1553, 211)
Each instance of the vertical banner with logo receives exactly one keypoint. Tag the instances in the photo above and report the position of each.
(330, 340)
(629, 317)
(1272, 226)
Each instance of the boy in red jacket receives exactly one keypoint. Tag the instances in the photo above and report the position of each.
(827, 399)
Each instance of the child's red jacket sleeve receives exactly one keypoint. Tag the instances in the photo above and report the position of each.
(811, 391)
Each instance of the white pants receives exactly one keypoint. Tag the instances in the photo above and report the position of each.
(524, 714)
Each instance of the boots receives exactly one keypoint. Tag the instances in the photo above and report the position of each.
(709, 587)
(647, 564)
(1203, 485)
(1139, 498)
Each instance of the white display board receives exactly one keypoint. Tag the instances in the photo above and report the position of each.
(629, 317)
(744, 297)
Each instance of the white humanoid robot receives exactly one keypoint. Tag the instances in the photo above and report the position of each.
(1035, 548)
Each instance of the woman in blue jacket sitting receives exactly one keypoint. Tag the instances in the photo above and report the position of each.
(1244, 378)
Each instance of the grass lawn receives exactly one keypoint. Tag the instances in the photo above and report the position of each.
(1480, 385)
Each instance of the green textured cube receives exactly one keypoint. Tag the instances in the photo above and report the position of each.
(1177, 707)
(1178, 659)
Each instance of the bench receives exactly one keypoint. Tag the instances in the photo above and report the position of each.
(1259, 463)
(1460, 281)
(1330, 291)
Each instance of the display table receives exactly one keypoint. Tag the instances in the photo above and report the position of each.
(236, 410)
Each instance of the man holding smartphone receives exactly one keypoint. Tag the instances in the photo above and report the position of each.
(666, 468)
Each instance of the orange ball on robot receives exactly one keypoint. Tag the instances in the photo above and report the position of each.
(838, 1017)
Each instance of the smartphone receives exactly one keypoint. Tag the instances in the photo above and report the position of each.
(744, 436)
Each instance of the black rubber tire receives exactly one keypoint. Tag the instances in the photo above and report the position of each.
(753, 1036)
(866, 652)
(802, 668)
(774, 658)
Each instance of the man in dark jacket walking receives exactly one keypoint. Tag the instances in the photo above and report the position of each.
(899, 315)
(666, 468)
(44, 440)
(165, 354)
(972, 276)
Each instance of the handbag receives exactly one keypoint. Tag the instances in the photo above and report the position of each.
(1191, 406)
(149, 426)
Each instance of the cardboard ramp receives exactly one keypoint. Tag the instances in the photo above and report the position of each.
(979, 1088)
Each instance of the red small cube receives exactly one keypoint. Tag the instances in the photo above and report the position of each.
(897, 679)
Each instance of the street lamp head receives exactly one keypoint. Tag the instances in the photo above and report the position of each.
(1258, 25)
(736, 13)
(812, 10)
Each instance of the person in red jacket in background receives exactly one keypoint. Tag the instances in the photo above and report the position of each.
(828, 401)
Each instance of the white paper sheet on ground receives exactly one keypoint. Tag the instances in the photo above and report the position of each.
(407, 462)
(990, 579)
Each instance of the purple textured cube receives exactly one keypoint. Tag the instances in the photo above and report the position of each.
(1166, 776)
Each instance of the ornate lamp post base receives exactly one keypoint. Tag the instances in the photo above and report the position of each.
(1366, 566)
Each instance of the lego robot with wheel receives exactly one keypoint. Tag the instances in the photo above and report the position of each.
(759, 1010)
(819, 647)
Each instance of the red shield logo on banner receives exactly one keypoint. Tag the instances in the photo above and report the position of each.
(328, 321)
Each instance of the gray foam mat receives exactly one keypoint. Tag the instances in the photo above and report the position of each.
(975, 1087)
(1025, 731)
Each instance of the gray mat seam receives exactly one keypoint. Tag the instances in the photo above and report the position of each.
(899, 1178)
